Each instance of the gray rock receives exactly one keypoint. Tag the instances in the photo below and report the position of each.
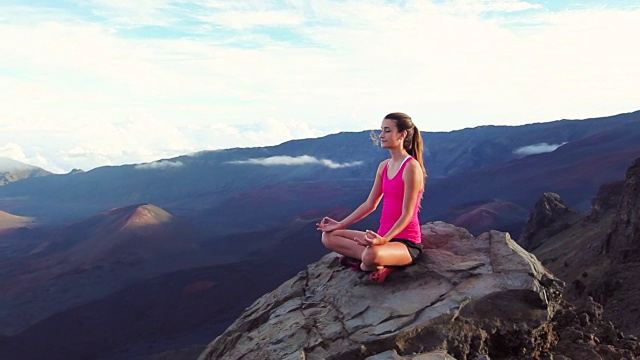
(623, 241)
(467, 297)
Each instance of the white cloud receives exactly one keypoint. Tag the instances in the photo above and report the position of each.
(13, 151)
(537, 149)
(265, 133)
(160, 165)
(139, 138)
(295, 161)
(31, 157)
(481, 6)
(76, 93)
(133, 13)
(249, 19)
(95, 141)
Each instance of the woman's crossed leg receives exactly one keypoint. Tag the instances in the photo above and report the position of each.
(373, 257)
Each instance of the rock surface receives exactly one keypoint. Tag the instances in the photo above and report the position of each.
(606, 201)
(618, 288)
(584, 334)
(623, 241)
(467, 298)
(549, 216)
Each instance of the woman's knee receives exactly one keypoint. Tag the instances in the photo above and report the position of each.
(370, 256)
(327, 240)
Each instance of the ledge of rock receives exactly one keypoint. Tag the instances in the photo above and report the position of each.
(467, 298)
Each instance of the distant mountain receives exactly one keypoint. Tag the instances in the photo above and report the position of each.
(143, 231)
(495, 214)
(11, 171)
(8, 221)
(70, 266)
(574, 170)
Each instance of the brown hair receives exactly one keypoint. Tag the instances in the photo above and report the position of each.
(413, 142)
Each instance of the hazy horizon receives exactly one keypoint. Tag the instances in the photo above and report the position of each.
(7, 163)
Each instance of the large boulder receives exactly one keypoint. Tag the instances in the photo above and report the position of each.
(467, 298)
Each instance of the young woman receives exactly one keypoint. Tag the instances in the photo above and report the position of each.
(399, 183)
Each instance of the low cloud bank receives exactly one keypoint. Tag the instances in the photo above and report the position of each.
(158, 165)
(295, 161)
(537, 149)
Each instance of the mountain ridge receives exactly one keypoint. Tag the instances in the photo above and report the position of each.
(12, 171)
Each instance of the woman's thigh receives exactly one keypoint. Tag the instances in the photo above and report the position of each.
(349, 234)
(341, 241)
(345, 236)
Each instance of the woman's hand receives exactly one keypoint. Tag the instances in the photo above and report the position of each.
(371, 238)
(328, 224)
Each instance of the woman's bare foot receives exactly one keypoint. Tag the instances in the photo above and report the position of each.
(364, 267)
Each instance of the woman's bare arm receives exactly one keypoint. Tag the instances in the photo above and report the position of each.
(366, 208)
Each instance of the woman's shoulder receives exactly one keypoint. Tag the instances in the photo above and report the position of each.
(413, 163)
(383, 163)
(413, 167)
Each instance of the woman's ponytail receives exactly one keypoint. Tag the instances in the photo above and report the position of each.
(413, 142)
(417, 150)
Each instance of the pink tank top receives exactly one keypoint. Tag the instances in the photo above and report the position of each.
(393, 196)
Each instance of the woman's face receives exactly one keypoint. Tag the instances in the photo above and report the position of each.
(389, 135)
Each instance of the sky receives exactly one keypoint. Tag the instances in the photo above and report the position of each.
(91, 83)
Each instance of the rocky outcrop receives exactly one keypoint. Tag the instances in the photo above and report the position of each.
(595, 256)
(549, 216)
(606, 201)
(618, 288)
(623, 241)
(467, 297)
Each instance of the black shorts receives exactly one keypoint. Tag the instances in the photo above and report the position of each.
(415, 250)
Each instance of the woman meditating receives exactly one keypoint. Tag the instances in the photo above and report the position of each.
(399, 183)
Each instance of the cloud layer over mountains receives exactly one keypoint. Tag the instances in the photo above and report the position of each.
(295, 160)
(537, 149)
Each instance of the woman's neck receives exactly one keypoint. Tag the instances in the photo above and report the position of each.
(398, 154)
